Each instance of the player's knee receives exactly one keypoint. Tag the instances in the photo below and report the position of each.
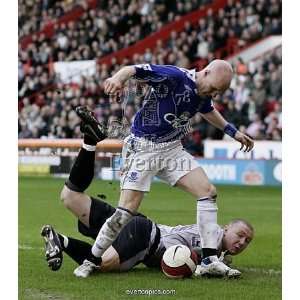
(67, 196)
(213, 192)
(64, 194)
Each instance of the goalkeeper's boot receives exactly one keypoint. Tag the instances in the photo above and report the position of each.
(53, 248)
(90, 125)
(88, 266)
(212, 267)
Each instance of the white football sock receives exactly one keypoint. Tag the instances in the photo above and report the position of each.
(66, 241)
(110, 230)
(207, 222)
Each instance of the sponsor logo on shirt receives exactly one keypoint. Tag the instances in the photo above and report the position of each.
(175, 121)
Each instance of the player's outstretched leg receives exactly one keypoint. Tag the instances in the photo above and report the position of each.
(56, 244)
(207, 222)
(196, 182)
(107, 234)
(110, 230)
(82, 171)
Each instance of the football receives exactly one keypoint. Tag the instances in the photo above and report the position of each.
(179, 262)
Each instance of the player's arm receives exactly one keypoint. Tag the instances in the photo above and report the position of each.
(148, 73)
(115, 84)
(217, 120)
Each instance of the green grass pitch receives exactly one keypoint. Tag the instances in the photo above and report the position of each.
(261, 263)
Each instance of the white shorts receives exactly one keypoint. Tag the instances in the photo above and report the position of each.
(143, 159)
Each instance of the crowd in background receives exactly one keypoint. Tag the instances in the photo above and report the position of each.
(112, 26)
(33, 16)
(113, 19)
(46, 105)
(253, 103)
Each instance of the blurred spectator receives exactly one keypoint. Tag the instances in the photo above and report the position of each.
(259, 92)
(241, 67)
(256, 128)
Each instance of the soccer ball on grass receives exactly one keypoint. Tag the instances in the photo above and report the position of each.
(179, 261)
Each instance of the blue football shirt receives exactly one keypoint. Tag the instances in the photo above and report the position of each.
(170, 103)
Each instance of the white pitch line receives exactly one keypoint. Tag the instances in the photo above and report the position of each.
(38, 294)
(264, 271)
(27, 247)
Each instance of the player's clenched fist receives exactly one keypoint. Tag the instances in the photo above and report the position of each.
(115, 84)
(112, 86)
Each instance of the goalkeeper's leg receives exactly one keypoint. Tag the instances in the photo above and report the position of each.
(81, 176)
(128, 205)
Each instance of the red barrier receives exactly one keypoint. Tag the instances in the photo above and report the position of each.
(107, 145)
(163, 34)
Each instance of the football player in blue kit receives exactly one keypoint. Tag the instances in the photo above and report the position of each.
(175, 96)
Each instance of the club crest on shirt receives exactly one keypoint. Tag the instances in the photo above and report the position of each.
(133, 176)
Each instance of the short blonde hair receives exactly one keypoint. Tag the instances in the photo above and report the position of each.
(246, 223)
